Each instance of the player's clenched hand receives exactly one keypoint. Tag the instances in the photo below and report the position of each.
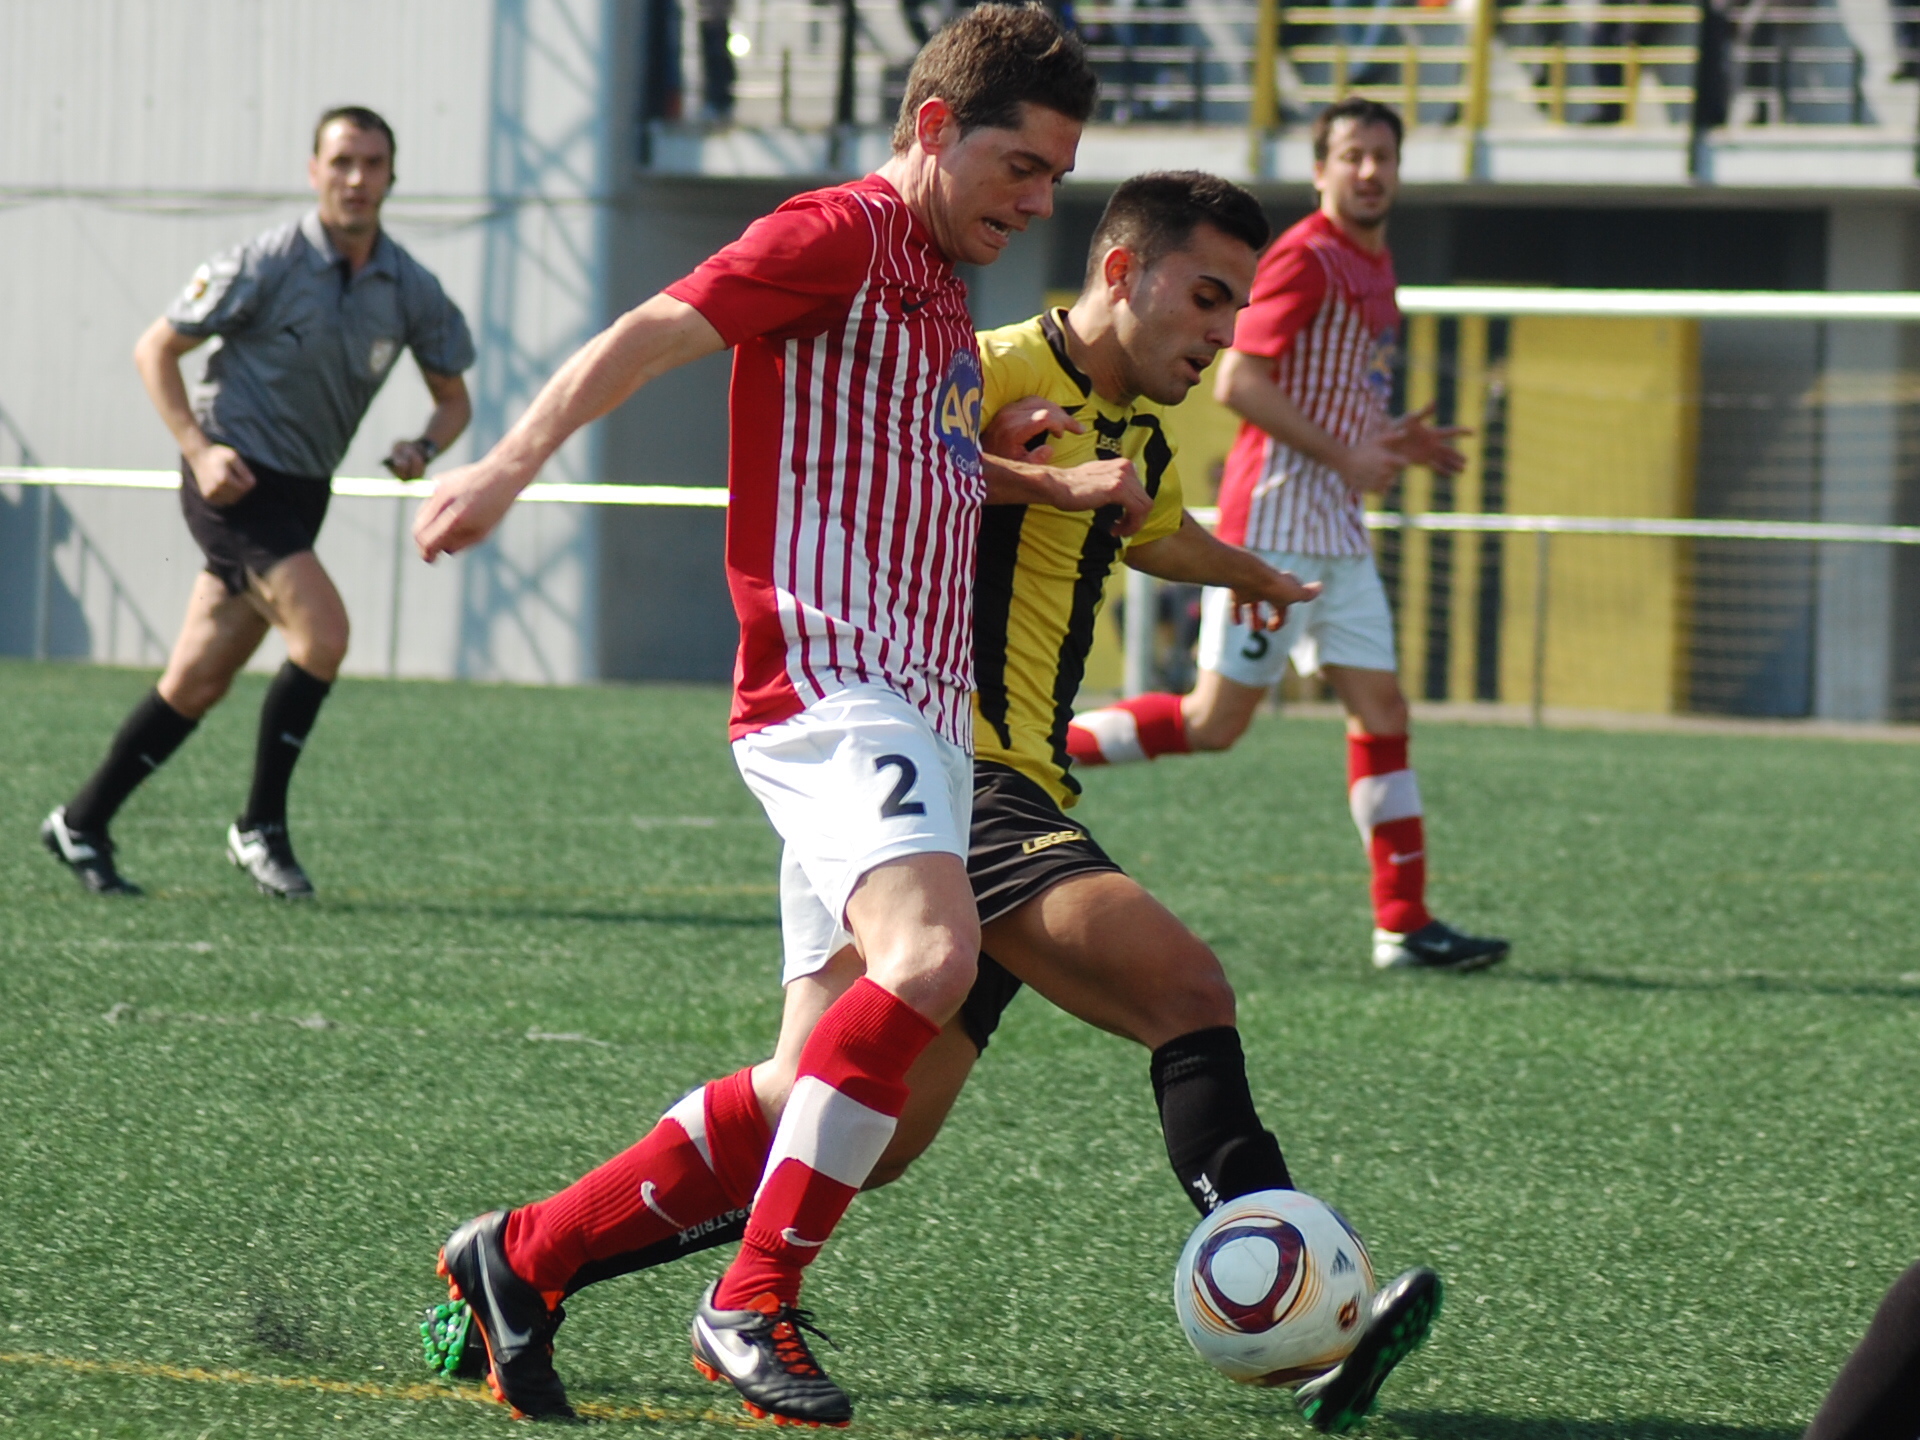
(1020, 431)
(223, 477)
(1262, 601)
(1100, 484)
(1418, 443)
(463, 509)
(407, 460)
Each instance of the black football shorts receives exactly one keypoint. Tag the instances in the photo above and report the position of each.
(1021, 845)
(280, 516)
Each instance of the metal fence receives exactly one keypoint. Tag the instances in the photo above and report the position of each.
(1269, 66)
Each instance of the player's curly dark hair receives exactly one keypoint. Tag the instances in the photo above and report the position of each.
(989, 61)
(1359, 110)
(1154, 215)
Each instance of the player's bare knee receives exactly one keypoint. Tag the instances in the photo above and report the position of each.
(193, 698)
(1218, 713)
(196, 689)
(1204, 1001)
(1388, 715)
(1211, 730)
(950, 968)
(1192, 994)
(321, 652)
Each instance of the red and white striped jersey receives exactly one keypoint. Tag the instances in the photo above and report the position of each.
(1323, 311)
(854, 471)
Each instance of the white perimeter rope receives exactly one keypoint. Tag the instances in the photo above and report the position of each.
(1659, 304)
(374, 488)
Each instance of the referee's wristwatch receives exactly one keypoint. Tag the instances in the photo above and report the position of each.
(428, 447)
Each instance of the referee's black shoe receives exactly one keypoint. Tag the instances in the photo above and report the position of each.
(1397, 1321)
(762, 1354)
(266, 854)
(514, 1319)
(89, 855)
(1436, 946)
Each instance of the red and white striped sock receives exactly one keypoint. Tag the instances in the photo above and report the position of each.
(845, 1103)
(703, 1159)
(1143, 728)
(1385, 799)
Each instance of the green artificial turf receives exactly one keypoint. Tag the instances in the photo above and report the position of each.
(1665, 1158)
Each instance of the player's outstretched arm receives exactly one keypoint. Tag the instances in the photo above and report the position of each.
(643, 344)
(1418, 443)
(1014, 450)
(1246, 386)
(1192, 556)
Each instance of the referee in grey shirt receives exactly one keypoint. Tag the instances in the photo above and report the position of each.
(312, 317)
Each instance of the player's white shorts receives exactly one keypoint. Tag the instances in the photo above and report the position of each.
(1349, 624)
(855, 780)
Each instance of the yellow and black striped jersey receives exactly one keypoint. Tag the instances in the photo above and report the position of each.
(1043, 572)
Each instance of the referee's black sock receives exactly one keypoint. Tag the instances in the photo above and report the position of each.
(1215, 1140)
(286, 719)
(146, 738)
(1877, 1396)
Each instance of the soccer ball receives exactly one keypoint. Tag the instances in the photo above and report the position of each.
(1272, 1288)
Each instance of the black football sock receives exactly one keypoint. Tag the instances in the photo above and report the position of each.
(146, 738)
(721, 1230)
(286, 719)
(1878, 1393)
(1215, 1140)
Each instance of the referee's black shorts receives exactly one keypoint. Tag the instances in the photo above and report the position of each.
(1021, 845)
(278, 517)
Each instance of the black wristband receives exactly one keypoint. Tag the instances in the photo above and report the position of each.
(428, 447)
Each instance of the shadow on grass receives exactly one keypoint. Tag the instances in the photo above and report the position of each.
(1437, 1425)
(1754, 983)
(483, 911)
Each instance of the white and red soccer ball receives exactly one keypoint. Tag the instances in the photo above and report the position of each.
(1272, 1288)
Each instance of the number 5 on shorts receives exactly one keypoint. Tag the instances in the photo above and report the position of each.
(896, 802)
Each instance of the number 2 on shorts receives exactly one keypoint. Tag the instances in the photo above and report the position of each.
(896, 802)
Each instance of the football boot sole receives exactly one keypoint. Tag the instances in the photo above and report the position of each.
(1402, 1314)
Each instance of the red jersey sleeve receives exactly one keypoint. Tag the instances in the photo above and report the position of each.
(793, 274)
(1288, 291)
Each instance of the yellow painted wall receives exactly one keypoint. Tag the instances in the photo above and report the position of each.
(1602, 420)
(1421, 566)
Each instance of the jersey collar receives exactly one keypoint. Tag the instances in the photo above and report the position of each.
(1052, 327)
(322, 256)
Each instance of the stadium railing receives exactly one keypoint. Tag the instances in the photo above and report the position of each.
(1641, 68)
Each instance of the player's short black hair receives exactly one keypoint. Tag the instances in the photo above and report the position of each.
(1154, 215)
(361, 118)
(1362, 112)
(990, 61)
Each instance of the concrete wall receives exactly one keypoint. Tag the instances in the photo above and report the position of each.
(128, 165)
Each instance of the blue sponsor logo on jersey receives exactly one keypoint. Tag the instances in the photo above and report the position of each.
(957, 418)
(1386, 350)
